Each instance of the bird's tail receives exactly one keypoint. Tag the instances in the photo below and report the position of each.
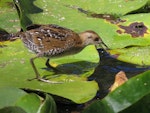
(5, 36)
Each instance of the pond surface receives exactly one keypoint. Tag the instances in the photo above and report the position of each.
(104, 75)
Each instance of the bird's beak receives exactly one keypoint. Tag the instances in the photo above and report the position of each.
(102, 45)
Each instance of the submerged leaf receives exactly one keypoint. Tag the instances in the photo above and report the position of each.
(120, 79)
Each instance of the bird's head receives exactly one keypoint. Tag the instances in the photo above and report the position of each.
(90, 38)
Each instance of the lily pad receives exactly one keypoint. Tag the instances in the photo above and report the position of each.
(134, 55)
(16, 69)
(48, 106)
(15, 100)
(124, 96)
(48, 12)
(27, 101)
(9, 20)
(9, 95)
(71, 11)
(12, 109)
(142, 106)
(129, 41)
(133, 31)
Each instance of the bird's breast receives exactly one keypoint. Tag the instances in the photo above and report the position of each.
(57, 52)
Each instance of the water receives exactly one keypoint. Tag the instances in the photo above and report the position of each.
(104, 75)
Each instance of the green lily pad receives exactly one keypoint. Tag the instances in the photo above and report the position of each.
(124, 96)
(118, 7)
(133, 31)
(9, 20)
(9, 95)
(45, 106)
(48, 12)
(134, 55)
(15, 100)
(129, 41)
(142, 106)
(27, 101)
(12, 109)
(16, 69)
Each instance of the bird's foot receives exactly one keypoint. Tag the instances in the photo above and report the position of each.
(45, 80)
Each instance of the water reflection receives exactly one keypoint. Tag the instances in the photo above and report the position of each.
(108, 68)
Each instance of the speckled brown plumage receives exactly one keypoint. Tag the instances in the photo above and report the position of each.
(55, 41)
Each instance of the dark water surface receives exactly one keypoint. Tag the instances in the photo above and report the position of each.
(104, 75)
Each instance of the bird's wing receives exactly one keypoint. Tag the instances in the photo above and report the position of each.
(51, 38)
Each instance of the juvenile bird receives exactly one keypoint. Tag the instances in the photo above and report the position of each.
(55, 41)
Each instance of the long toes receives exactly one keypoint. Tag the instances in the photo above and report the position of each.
(48, 81)
(30, 79)
(45, 80)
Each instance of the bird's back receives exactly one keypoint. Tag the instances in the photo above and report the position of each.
(49, 40)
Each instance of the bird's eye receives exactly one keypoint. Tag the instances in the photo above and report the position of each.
(96, 39)
(89, 37)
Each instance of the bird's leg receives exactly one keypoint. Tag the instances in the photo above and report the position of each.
(47, 63)
(34, 68)
(37, 73)
(49, 66)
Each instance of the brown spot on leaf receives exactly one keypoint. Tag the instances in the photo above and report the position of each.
(136, 29)
(110, 18)
(119, 31)
(113, 19)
